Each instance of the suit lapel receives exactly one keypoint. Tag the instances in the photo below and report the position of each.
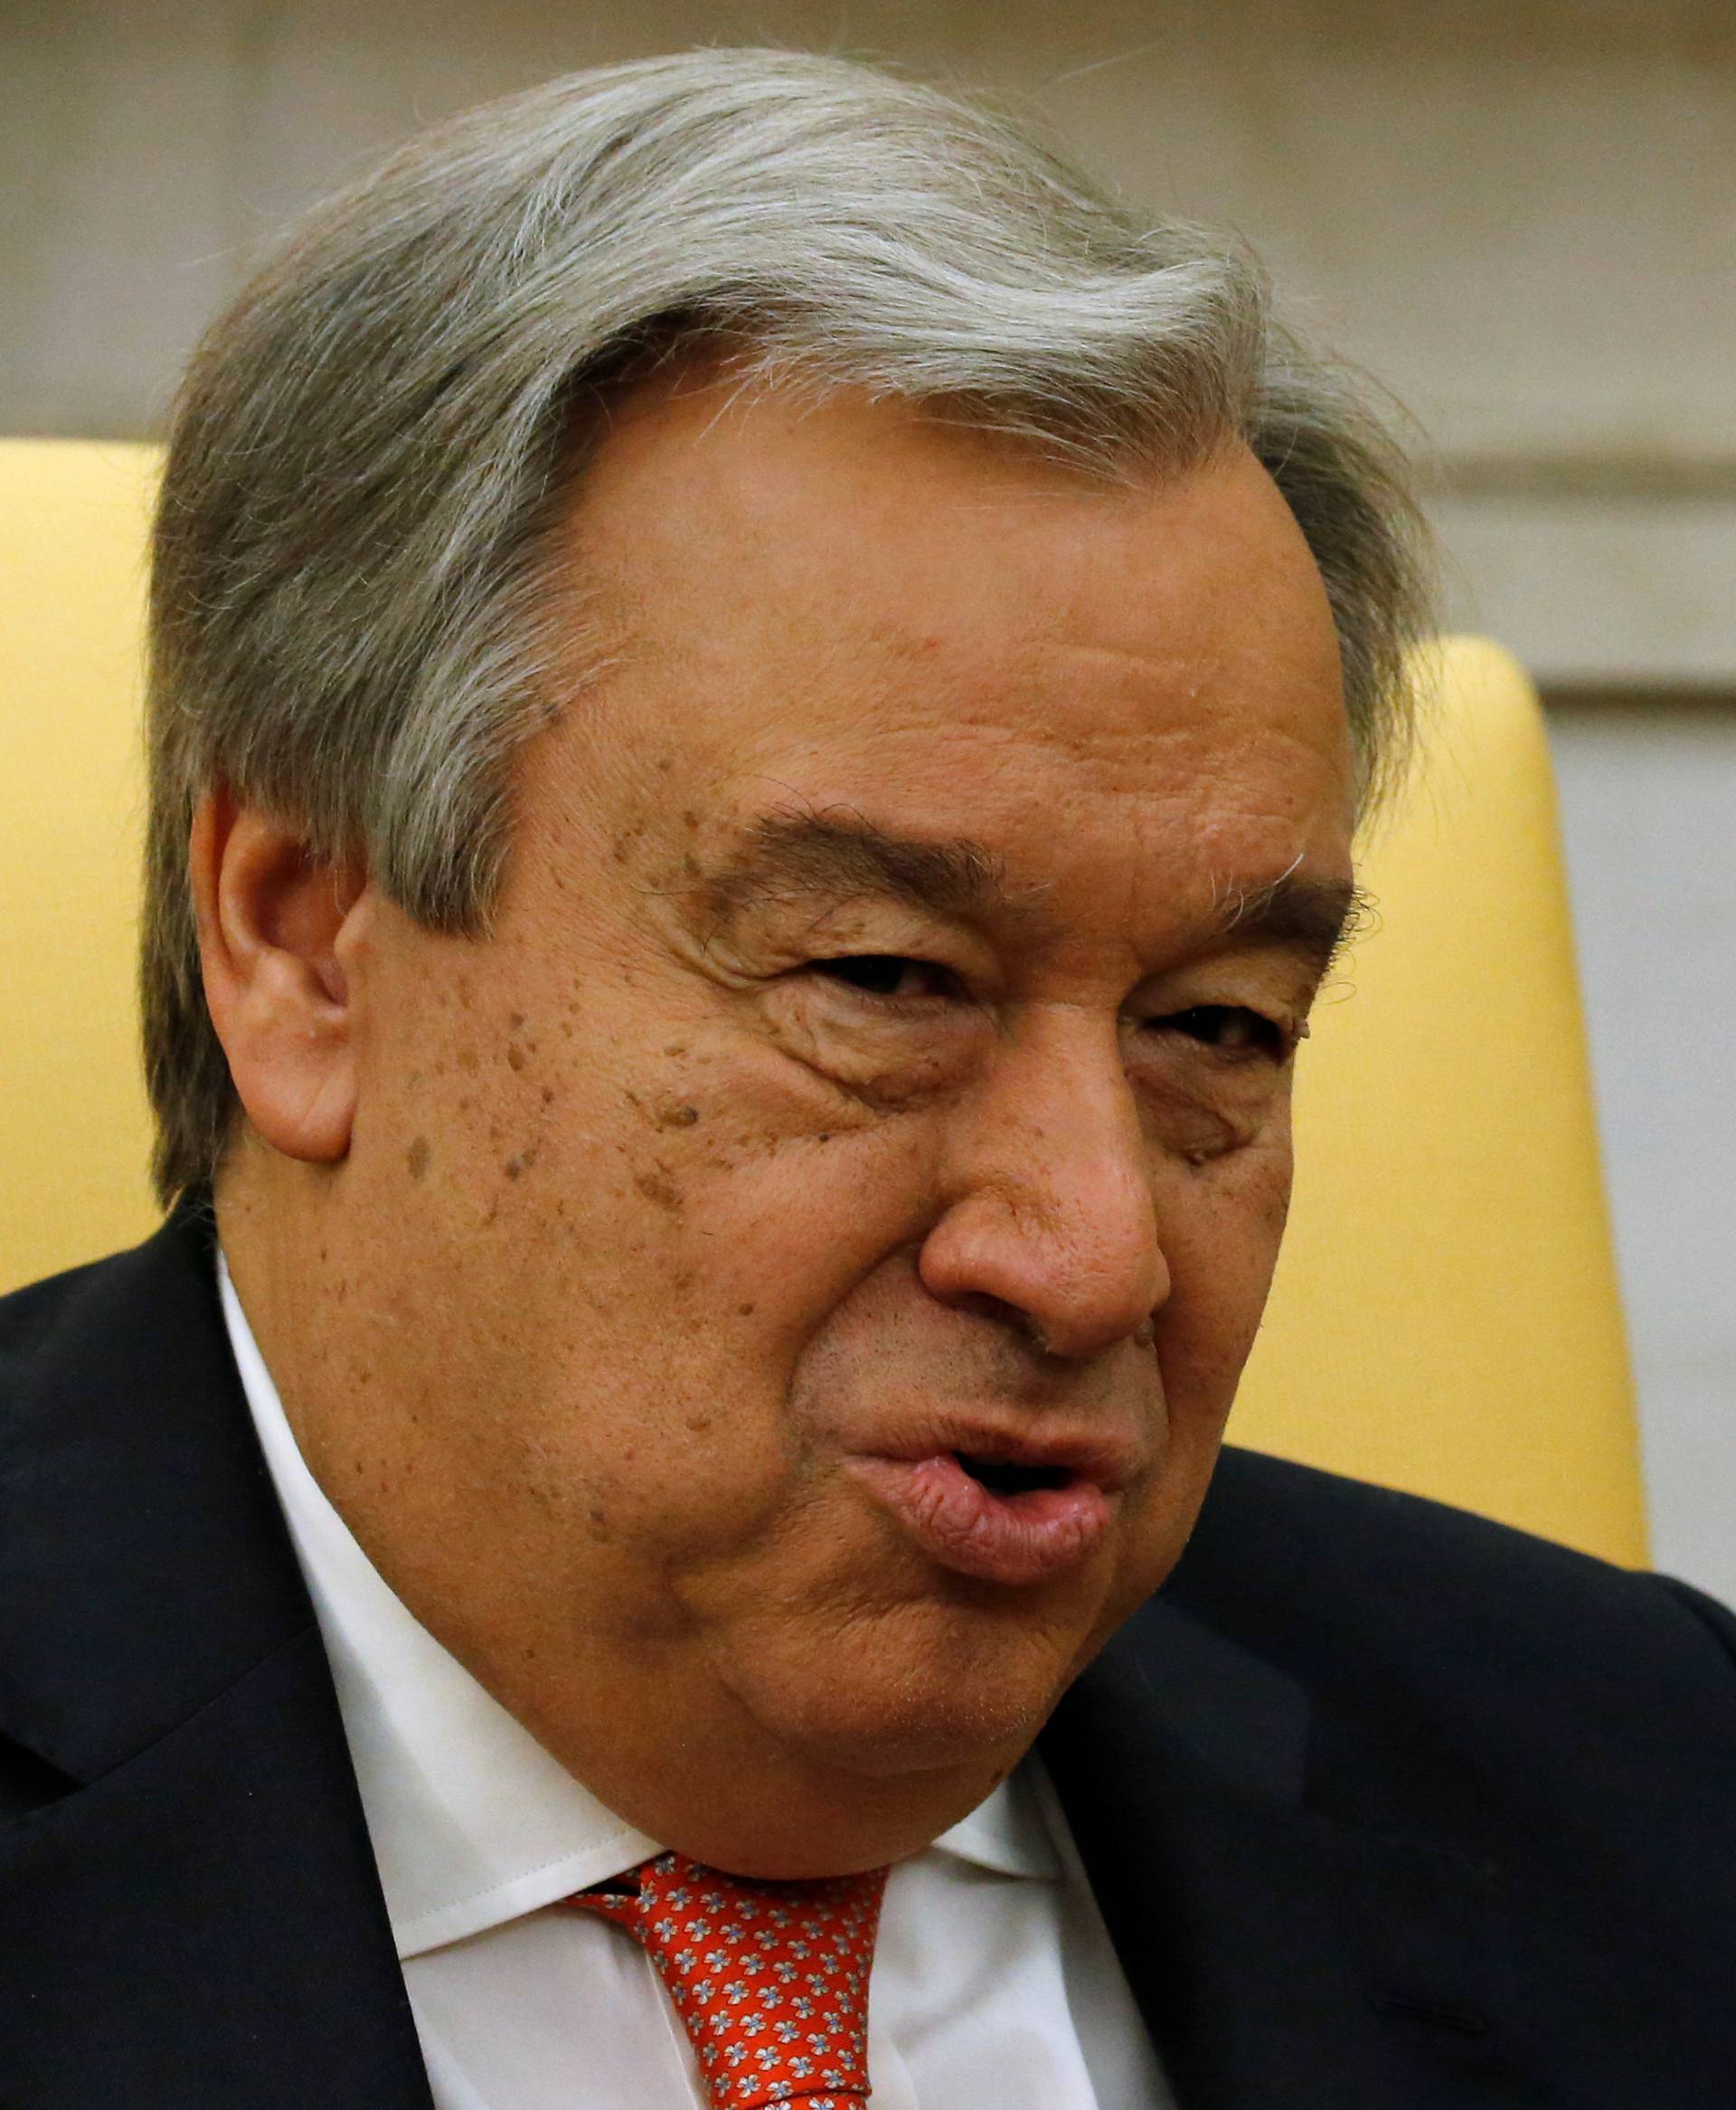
(1283, 1958)
(204, 1926)
(194, 1917)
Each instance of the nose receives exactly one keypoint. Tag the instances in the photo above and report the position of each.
(1048, 1208)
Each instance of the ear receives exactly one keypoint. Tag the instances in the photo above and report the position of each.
(272, 922)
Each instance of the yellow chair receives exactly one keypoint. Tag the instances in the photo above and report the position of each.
(1446, 1316)
(73, 1126)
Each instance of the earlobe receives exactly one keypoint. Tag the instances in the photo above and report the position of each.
(272, 919)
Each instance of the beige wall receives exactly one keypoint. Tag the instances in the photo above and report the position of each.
(1522, 213)
(1648, 795)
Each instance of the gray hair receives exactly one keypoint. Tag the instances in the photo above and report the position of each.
(350, 605)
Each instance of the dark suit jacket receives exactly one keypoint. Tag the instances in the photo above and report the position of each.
(1385, 1806)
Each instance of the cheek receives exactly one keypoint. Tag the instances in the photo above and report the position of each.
(744, 1199)
(655, 1226)
(1222, 1225)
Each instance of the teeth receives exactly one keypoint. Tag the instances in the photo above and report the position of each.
(1000, 1476)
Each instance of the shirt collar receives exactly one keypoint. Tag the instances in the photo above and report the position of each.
(473, 1822)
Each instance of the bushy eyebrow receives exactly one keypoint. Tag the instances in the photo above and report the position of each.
(835, 855)
(1316, 916)
(832, 856)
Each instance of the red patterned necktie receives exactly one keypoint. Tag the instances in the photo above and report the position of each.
(771, 1979)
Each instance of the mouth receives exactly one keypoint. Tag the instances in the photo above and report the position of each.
(1006, 1476)
(1018, 1514)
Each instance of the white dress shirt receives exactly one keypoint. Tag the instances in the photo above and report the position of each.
(994, 1983)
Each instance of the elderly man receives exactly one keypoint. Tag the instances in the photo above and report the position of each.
(760, 701)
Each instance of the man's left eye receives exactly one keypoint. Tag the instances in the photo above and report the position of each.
(889, 974)
(1231, 1028)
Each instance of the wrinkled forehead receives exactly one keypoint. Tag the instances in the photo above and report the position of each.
(841, 607)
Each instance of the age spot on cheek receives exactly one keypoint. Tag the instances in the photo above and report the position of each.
(416, 1158)
(656, 1186)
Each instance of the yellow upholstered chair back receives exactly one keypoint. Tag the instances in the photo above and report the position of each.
(74, 1137)
(1445, 1318)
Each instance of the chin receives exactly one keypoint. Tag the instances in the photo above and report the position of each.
(943, 1739)
(880, 1712)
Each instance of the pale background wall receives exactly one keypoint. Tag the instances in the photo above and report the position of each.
(1648, 797)
(1519, 213)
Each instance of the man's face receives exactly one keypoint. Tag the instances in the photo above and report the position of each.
(787, 1282)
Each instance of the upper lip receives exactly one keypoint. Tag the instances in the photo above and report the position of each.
(1109, 1459)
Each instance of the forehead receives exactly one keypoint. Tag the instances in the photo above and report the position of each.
(847, 605)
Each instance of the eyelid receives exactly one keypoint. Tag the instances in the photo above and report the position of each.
(1285, 1032)
(858, 930)
(830, 967)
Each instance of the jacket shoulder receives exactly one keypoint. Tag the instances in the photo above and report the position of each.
(1463, 1655)
(1345, 1544)
(144, 1561)
(45, 1321)
(42, 1316)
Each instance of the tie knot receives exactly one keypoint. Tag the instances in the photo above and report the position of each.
(770, 1979)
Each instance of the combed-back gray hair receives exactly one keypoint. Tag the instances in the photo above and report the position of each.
(350, 611)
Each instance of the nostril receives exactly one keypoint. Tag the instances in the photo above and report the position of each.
(1017, 1322)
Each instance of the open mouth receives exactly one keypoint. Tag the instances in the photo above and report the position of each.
(1016, 1522)
(1001, 1476)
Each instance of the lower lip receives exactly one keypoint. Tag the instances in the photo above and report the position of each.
(961, 1525)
